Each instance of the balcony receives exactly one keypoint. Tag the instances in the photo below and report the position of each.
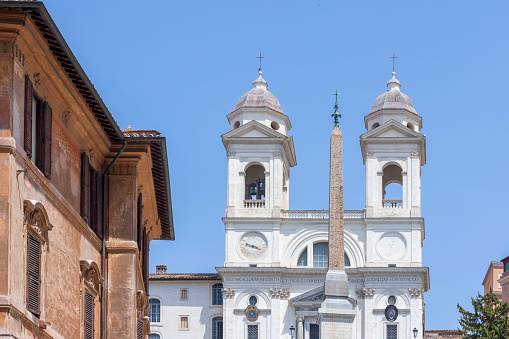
(386, 203)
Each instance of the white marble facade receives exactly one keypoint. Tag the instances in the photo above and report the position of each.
(266, 242)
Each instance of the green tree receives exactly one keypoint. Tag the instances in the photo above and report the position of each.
(490, 319)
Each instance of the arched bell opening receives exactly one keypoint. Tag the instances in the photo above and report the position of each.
(255, 183)
(392, 186)
(375, 125)
(411, 126)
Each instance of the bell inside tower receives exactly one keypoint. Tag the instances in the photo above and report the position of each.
(255, 183)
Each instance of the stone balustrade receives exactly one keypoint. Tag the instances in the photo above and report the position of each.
(320, 214)
(387, 203)
(254, 203)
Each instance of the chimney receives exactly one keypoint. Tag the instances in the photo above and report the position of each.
(161, 269)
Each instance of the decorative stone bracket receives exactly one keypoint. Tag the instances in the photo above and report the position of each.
(415, 292)
(279, 293)
(365, 292)
(228, 293)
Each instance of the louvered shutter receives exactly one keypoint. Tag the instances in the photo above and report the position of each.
(139, 329)
(145, 262)
(99, 205)
(29, 89)
(46, 139)
(33, 274)
(85, 187)
(89, 315)
(140, 222)
(93, 201)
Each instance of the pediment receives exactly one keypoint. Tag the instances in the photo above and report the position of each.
(391, 129)
(314, 296)
(253, 129)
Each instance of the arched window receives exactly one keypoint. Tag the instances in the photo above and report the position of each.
(303, 259)
(347, 261)
(255, 183)
(154, 336)
(411, 126)
(320, 254)
(217, 294)
(392, 187)
(375, 125)
(155, 310)
(217, 328)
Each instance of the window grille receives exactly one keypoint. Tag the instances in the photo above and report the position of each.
(155, 310)
(217, 328)
(89, 315)
(252, 331)
(303, 259)
(139, 330)
(314, 331)
(33, 274)
(217, 294)
(392, 331)
(321, 254)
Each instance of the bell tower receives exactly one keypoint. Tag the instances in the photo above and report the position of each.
(260, 154)
(393, 152)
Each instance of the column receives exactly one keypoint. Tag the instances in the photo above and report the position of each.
(300, 327)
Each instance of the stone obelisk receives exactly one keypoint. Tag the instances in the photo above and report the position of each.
(337, 311)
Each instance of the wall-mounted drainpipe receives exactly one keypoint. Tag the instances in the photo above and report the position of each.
(103, 223)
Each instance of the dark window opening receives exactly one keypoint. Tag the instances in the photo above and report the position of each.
(255, 183)
(217, 294)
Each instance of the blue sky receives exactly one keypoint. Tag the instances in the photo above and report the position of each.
(180, 66)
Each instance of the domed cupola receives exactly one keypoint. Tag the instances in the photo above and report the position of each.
(260, 105)
(393, 105)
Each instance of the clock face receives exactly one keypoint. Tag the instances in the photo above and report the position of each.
(253, 245)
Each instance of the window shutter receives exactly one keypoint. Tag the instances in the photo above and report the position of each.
(99, 200)
(29, 89)
(46, 140)
(139, 221)
(89, 315)
(33, 274)
(85, 187)
(139, 329)
(145, 262)
(93, 200)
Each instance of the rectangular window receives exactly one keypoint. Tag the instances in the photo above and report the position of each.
(33, 274)
(89, 315)
(91, 195)
(392, 332)
(183, 294)
(37, 129)
(184, 322)
(314, 331)
(499, 284)
(252, 331)
(217, 294)
(155, 310)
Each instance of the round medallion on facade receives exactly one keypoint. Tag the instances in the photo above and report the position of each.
(391, 313)
(252, 313)
(391, 246)
(253, 246)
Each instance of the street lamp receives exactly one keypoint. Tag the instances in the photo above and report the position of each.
(415, 332)
(292, 331)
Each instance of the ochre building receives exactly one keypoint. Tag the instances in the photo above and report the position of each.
(80, 200)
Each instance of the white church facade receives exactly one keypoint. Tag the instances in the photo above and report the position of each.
(272, 281)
